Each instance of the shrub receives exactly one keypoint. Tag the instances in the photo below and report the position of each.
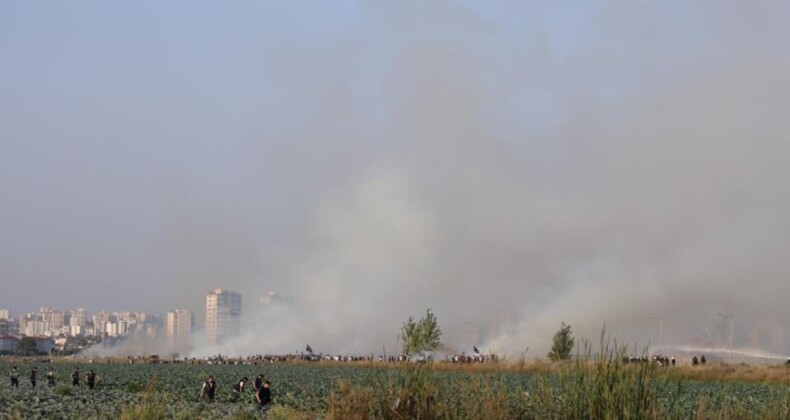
(62, 390)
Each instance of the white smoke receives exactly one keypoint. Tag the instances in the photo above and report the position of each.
(511, 176)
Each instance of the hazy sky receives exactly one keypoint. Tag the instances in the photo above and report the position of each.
(510, 165)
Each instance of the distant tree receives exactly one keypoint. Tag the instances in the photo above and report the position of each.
(430, 332)
(422, 335)
(27, 347)
(562, 346)
(410, 337)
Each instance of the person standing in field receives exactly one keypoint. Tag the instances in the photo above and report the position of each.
(51, 377)
(75, 376)
(256, 386)
(33, 375)
(238, 388)
(91, 379)
(14, 375)
(264, 396)
(208, 390)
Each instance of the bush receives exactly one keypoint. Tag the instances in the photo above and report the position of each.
(153, 407)
(133, 387)
(62, 390)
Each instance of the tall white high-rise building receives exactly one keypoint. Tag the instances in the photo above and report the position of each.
(178, 328)
(38, 328)
(79, 318)
(111, 328)
(55, 318)
(5, 314)
(100, 321)
(223, 315)
(116, 329)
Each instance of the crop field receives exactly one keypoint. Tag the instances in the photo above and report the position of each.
(337, 390)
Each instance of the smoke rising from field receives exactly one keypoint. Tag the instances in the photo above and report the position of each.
(622, 181)
(510, 169)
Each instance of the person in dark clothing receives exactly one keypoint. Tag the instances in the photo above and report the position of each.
(264, 396)
(75, 377)
(258, 383)
(702, 359)
(14, 375)
(91, 379)
(208, 390)
(33, 375)
(51, 377)
(238, 388)
(694, 361)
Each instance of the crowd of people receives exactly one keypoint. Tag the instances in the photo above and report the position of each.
(662, 360)
(90, 377)
(658, 359)
(261, 389)
(219, 359)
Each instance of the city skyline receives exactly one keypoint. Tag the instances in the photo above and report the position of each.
(175, 328)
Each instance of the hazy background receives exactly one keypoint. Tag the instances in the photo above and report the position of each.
(509, 165)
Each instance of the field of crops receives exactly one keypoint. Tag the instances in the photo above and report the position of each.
(344, 390)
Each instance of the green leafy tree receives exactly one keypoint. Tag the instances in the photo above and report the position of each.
(27, 347)
(430, 332)
(410, 336)
(422, 335)
(562, 346)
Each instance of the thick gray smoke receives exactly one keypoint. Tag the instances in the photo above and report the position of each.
(510, 169)
(639, 176)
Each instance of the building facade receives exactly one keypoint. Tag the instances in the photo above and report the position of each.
(223, 315)
(79, 318)
(178, 328)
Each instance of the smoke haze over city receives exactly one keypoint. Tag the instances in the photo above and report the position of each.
(509, 166)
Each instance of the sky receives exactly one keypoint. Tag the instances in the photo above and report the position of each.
(510, 166)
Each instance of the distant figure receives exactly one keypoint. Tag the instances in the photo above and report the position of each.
(673, 361)
(51, 377)
(694, 361)
(702, 359)
(14, 375)
(238, 388)
(264, 396)
(75, 377)
(33, 375)
(208, 390)
(788, 361)
(258, 383)
(91, 379)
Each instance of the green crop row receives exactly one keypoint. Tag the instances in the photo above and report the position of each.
(584, 390)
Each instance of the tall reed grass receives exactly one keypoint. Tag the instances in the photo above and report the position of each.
(594, 385)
